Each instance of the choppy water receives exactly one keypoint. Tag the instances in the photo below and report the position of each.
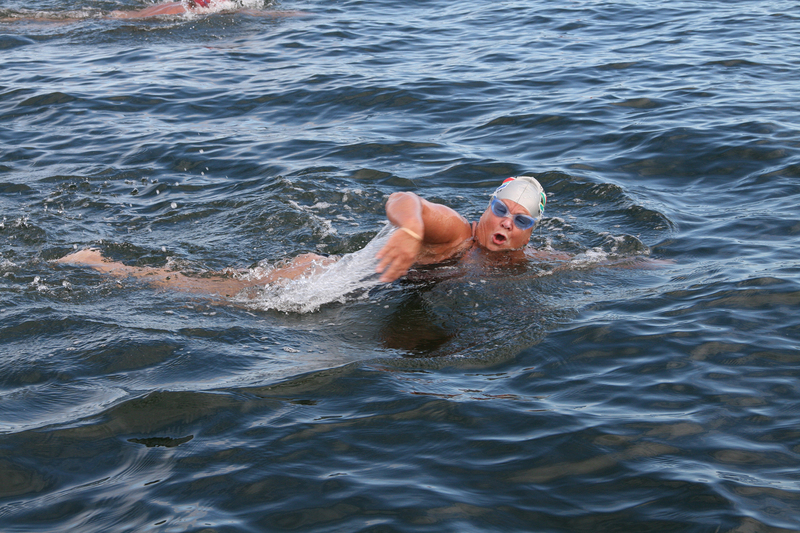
(547, 397)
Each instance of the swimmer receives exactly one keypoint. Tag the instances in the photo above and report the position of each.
(432, 233)
(158, 10)
(169, 8)
(190, 6)
(427, 234)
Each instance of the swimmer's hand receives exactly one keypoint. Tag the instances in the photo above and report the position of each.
(397, 256)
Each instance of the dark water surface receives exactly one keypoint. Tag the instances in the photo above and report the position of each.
(547, 397)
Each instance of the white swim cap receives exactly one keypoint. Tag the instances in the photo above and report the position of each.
(526, 191)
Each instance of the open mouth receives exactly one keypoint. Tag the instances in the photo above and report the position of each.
(499, 239)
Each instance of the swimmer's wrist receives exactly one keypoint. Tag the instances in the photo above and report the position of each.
(413, 233)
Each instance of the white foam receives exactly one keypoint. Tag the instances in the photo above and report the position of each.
(589, 257)
(230, 5)
(347, 279)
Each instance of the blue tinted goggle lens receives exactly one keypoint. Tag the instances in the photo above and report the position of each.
(500, 209)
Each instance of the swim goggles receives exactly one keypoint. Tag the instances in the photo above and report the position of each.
(521, 221)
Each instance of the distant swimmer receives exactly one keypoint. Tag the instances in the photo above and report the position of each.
(159, 10)
(192, 6)
(169, 8)
(427, 234)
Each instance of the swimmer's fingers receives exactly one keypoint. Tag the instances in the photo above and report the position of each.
(392, 268)
(387, 256)
(397, 256)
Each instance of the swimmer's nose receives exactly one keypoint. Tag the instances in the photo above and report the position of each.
(506, 222)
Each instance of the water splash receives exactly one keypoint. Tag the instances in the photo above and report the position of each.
(351, 277)
(222, 6)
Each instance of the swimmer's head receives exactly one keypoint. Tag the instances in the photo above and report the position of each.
(509, 220)
(525, 191)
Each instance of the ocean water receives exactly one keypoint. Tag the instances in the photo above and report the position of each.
(649, 383)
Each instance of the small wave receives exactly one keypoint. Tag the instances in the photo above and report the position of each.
(7, 42)
(6, 265)
(350, 277)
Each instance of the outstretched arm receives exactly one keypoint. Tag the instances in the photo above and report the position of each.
(226, 283)
(424, 226)
(169, 8)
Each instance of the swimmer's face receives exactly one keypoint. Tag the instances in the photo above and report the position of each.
(499, 233)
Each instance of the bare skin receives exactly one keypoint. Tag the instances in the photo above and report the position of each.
(429, 234)
(170, 8)
(181, 8)
(159, 10)
(444, 234)
(227, 283)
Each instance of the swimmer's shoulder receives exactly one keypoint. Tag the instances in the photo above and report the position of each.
(535, 254)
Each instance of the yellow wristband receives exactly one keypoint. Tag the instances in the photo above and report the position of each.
(412, 233)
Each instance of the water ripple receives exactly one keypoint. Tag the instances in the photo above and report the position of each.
(645, 382)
